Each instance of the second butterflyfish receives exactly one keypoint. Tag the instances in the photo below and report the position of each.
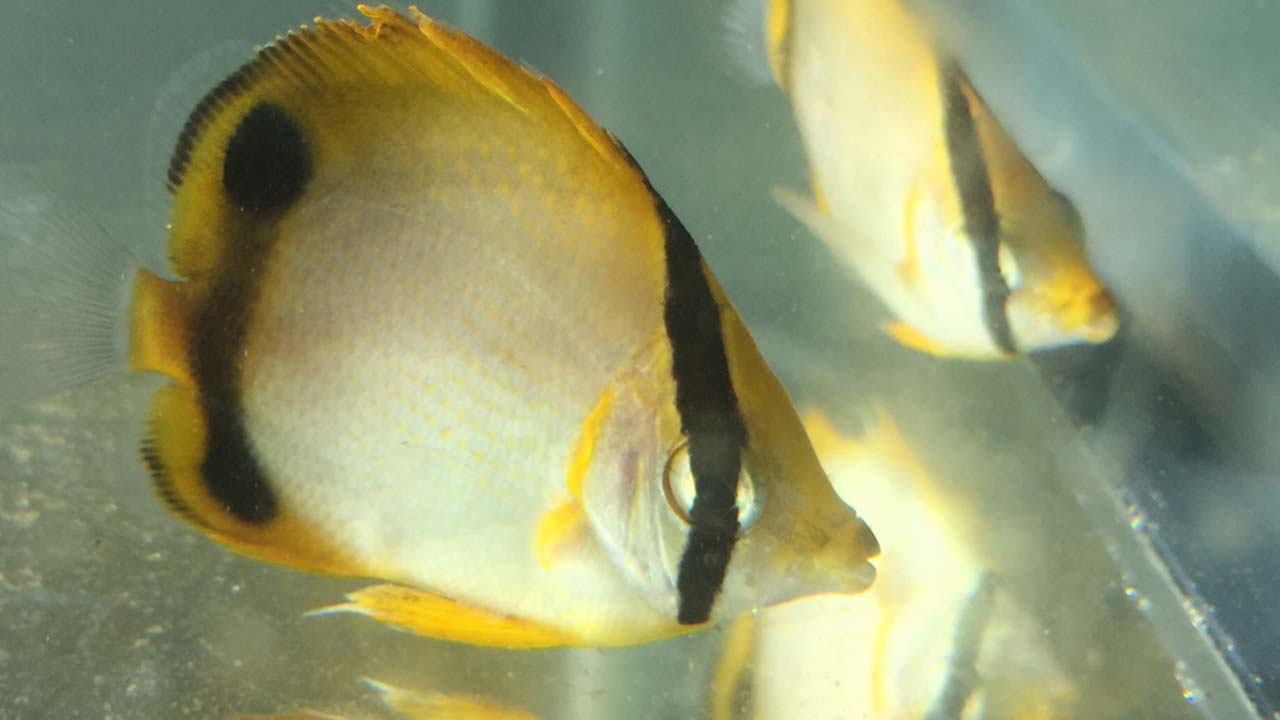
(432, 325)
(919, 189)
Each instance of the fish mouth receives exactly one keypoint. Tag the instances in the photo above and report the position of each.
(861, 578)
(852, 578)
(864, 537)
(1104, 316)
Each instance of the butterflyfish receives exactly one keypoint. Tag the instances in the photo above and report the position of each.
(939, 636)
(920, 191)
(430, 324)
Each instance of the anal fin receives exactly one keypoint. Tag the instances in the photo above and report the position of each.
(425, 613)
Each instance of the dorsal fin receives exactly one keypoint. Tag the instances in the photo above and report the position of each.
(301, 71)
(445, 50)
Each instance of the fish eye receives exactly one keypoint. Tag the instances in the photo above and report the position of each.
(679, 488)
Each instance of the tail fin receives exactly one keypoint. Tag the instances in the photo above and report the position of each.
(64, 289)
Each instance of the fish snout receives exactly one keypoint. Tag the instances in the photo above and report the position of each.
(846, 564)
(1101, 316)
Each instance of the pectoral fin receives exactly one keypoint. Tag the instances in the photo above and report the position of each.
(558, 530)
(909, 337)
(424, 613)
(562, 526)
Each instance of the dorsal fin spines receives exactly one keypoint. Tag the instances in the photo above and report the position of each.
(234, 84)
(418, 47)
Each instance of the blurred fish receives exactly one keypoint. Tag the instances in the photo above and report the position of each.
(412, 705)
(936, 638)
(434, 326)
(920, 190)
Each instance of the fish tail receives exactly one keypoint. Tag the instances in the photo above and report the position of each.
(64, 288)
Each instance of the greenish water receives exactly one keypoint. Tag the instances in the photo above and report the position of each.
(113, 609)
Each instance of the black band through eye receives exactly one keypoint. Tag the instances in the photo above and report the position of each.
(679, 488)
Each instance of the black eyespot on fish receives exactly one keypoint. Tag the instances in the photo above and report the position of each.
(267, 162)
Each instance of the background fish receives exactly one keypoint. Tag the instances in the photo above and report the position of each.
(434, 326)
(938, 637)
(920, 190)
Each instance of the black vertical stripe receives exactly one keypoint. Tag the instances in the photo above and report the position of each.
(230, 468)
(977, 201)
(709, 415)
(710, 419)
(266, 167)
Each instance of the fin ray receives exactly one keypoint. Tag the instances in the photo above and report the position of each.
(305, 67)
(743, 28)
(63, 291)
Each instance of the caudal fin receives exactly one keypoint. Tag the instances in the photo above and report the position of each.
(64, 290)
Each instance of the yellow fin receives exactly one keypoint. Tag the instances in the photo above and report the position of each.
(585, 446)
(819, 196)
(558, 528)
(778, 36)
(439, 706)
(327, 77)
(909, 268)
(564, 523)
(174, 450)
(909, 337)
(731, 667)
(427, 614)
(484, 66)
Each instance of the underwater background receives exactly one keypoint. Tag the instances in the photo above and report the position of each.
(1129, 491)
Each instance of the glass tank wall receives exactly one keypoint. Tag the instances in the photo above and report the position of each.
(1082, 533)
